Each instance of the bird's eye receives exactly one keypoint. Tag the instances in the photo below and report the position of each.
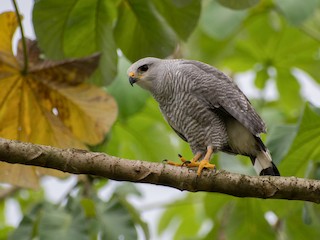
(144, 68)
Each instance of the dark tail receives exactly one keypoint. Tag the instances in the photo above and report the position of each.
(263, 164)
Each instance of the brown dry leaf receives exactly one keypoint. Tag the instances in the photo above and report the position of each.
(49, 105)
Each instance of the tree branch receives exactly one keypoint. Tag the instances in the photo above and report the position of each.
(99, 164)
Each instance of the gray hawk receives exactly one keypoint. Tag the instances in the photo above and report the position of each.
(206, 109)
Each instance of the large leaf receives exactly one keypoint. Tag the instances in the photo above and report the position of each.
(262, 77)
(215, 18)
(269, 48)
(217, 210)
(279, 141)
(296, 11)
(140, 31)
(244, 211)
(181, 213)
(48, 105)
(25, 229)
(204, 47)
(305, 146)
(77, 29)
(122, 193)
(28, 225)
(57, 223)
(80, 218)
(115, 221)
(312, 25)
(238, 4)
(181, 15)
(289, 90)
(303, 231)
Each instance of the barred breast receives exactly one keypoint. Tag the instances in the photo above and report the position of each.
(200, 126)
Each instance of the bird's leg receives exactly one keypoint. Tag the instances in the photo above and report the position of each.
(205, 162)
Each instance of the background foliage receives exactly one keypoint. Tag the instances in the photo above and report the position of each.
(274, 42)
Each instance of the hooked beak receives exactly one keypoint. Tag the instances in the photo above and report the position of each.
(132, 80)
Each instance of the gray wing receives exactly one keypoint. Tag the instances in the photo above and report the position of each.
(218, 90)
(179, 134)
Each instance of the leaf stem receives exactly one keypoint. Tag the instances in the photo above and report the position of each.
(24, 71)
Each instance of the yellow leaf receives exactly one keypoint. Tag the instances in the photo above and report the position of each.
(49, 105)
(8, 25)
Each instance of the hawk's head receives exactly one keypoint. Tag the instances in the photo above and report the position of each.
(144, 72)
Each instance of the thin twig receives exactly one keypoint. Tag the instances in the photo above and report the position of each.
(24, 71)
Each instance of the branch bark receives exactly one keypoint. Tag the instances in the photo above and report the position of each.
(78, 161)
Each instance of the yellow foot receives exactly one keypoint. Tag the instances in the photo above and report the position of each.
(194, 162)
(204, 164)
(184, 162)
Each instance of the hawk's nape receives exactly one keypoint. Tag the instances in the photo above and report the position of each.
(206, 109)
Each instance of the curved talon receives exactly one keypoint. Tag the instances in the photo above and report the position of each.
(164, 160)
(185, 163)
(182, 159)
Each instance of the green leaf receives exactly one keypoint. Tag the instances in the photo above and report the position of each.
(244, 211)
(88, 206)
(185, 212)
(289, 90)
(57, 223)
(130, 99)
(207, 49)
(232, 218)
(25, 229)
(296, 229)
(238, 4)
(77, 29)
(262, 77)
(311, 214)
(279, 141)
(305, 146)
(72, 30)
(269, 48)
(115, 221)
(49, 21)
(181, 15)
(297, 11)
(217, 205)
(311, 65)
(312, 25)
(141, 32)
(5, 232)
(122, 192)
(220, 22)
(106, 44)
(28, 227)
